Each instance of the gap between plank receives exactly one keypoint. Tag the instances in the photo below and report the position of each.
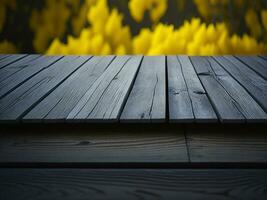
(49, 92)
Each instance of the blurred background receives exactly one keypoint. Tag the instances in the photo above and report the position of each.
(149, 27)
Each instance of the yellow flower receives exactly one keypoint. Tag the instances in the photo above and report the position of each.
(194, 38)
(49, 23)
(106, 34)
(142, 42)
(156, 9)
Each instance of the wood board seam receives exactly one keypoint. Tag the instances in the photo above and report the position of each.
(14, 61)
(250, 67)
(49, 92)
(12, 89)
(242, 85)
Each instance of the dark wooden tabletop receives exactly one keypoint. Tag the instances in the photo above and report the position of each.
(79, 127)
(177, 89)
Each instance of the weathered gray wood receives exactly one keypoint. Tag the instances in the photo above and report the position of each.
(147, 100)
(16, 66)
(57, 105)
(105, 99)
(133, 184)
(258, 64)
(17, 73)
(202, 108)
(180, 107)
(230, 99)
(227, 144)
(254, 84)
(22, 99)
(70, 143)
(10, 59)
(2, 56)
(263, 57)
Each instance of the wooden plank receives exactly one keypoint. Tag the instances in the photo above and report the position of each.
(147, 100)
(17, 66)
(263, 57)
(17, 73)
(258, 64)
(105, 99)
(10, 59)
(180, 107)
(89, 144)
(202, 108)
(2, 56)
(17, 103)
(133, 184)
(229, 98)
(250, 80)
(57, 105)
(227, 144)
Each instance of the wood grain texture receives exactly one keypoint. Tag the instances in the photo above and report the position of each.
(132, 184)
(22, 99)
(263, 57)
(17, 73)
(11, 59)
(180, 107)
(58, 104)
(258, 64)
(202, 108)
(2, 56)
(232, 102)
(105, 99)
(16, 66)
(249, 79)
(232, 144)
(147, 100)
(86, 144)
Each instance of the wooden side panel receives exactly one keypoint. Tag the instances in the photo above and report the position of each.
(87, 144)
(147, 100)
(241, 144)
(132, 184)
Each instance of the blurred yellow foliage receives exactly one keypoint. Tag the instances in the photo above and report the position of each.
(253, 23)
(194, 38)
(106, 34)
(7, 47)
(49, 23)
(156, 9)
(97, 29)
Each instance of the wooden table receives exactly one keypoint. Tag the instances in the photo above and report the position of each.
(135, 127)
